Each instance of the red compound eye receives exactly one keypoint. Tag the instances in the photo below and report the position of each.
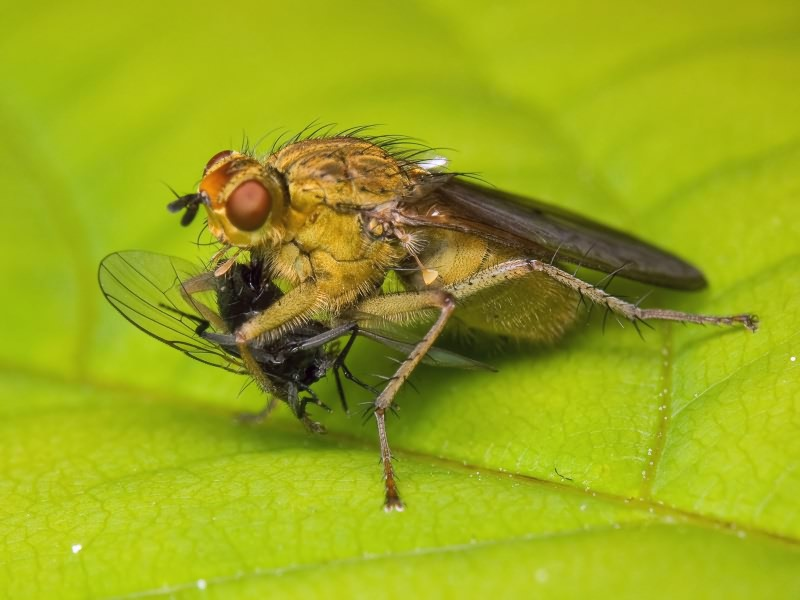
(248, 206)
(215, 159)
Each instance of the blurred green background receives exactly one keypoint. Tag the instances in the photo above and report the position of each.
(122, 473)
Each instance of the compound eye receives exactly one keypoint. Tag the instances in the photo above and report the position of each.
(219, 156)
(248, 206)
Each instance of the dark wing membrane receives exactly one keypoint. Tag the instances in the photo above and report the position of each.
(546, 230)
(145, 288)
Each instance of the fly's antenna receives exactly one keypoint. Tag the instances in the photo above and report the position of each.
(190, 203)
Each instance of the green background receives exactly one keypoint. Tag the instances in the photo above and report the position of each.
(122, 473)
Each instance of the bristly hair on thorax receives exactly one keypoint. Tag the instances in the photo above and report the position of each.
(406, 150)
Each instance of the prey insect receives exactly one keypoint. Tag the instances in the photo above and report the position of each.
(334, 215)
(151, 291)
(195, 312)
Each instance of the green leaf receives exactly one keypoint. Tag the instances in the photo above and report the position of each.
(604, 465)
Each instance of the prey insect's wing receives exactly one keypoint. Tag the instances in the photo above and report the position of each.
(544, 231)
(436, 357)
(145, 288)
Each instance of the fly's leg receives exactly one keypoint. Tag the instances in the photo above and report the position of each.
(632, 312)
(392, 500)
(399, 307)
(254, 418)
(337, 284)
(296, 306)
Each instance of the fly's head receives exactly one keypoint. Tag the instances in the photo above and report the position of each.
(244, 200)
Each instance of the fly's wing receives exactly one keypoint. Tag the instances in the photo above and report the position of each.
(544, 231)
(145, 288)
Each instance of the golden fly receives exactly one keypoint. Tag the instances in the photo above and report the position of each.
(333, 215)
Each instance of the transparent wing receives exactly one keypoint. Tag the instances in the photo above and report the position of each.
(436, 357)
(145, 288)
(543, 231)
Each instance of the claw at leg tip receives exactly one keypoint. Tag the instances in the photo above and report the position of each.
(394, 505)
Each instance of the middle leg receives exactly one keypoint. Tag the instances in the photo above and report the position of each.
(403, 306)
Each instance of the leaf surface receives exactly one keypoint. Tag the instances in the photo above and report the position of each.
(606, 464)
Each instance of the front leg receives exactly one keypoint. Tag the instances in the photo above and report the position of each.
(296, 307)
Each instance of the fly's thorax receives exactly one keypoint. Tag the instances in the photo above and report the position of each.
(342, 172)
(333, 246)
(246, 201)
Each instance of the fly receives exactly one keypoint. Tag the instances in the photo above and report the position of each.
(334, 215)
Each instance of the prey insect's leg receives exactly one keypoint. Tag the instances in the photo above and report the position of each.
(339, 362)
(205, 282)
(255, 370)
(326, 337)
(519, 268)
(258, 417)
(397, 306)
(340, 365)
